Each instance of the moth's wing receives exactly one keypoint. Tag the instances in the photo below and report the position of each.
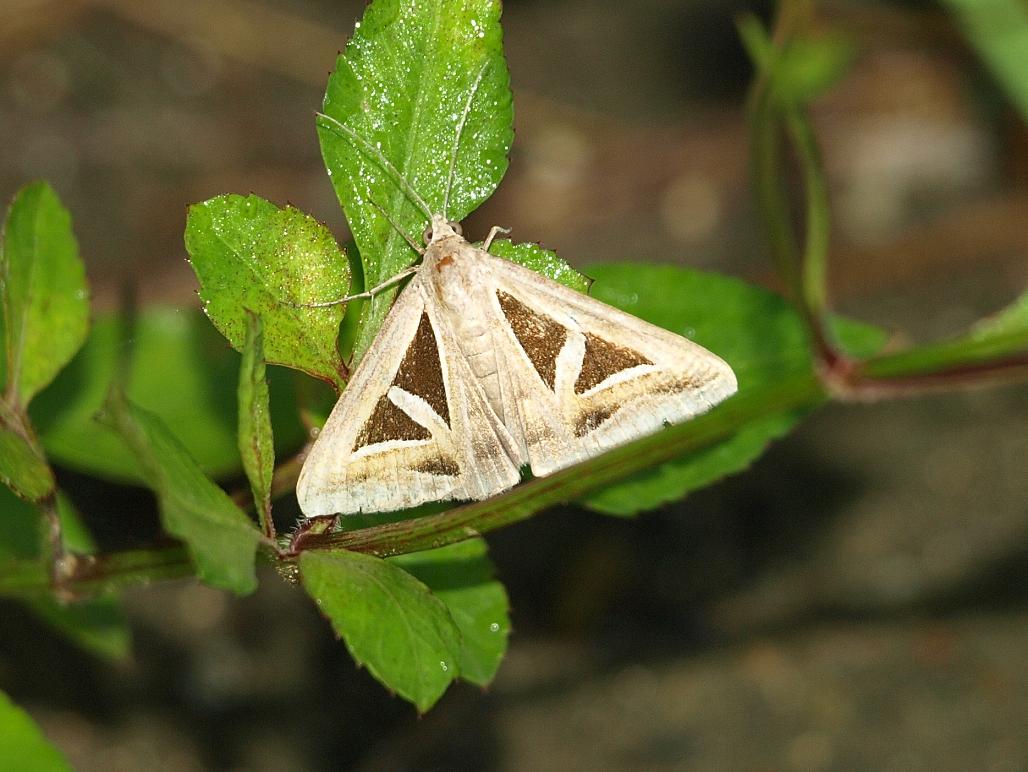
(410, 427)
(584, 377)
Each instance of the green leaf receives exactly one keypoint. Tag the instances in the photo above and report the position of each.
(1002, 338)
(540, 260)
(402, 85)
(74, 534)
(808, 67)
(43, 286)
(256, 445)
(221, 539)
(249, 254)
(800, 69)
(21, 535)
(1012, 320)
(757, 332)
(22, 745)
(96, 624)
(23, 467)
(183, 371)
(390, 622)
(998, 29)
(461, 576)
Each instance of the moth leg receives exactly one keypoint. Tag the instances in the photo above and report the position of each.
(492, 235)
(367, 294)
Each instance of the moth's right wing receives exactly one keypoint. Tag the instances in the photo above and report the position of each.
(578, 377)
(411, 426)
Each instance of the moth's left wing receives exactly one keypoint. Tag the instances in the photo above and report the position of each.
(411, 426)
(582, 377)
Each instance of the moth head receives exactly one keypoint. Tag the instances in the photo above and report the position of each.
(441, 228)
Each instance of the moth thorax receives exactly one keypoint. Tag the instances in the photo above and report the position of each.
(451, 283)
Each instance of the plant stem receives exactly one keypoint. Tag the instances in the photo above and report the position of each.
(106, 572)
(96, 574)
(527, 499)
(949, 365)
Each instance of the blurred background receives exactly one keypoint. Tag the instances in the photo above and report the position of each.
(856, 600)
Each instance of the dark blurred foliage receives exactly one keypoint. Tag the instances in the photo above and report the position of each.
(856, 600)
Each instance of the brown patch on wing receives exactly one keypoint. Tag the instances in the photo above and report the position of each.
(684, 383)
(593, 418)
(388, 422)
(440, 465)
(602, 359)
(420, 372)
(541, 337)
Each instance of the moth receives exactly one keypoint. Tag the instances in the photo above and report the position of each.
(483, 367)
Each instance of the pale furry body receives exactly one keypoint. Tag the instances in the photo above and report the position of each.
(496, 327)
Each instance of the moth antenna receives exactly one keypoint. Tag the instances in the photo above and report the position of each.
(396, 227)
(460, 130)
(385, 163)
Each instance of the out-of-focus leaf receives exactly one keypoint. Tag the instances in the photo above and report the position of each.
(803, 67)
(256, 445)
(999, 338)
(96, 624)
(808, 67)
(221, 539)
(44, 292)
(183, 371)
(1011, 320)
(23, 467)
(757, 332)
(403, 85)
(390, 622)
(998, 29)
(20, 530)
(250, 255)
(461, 576)
(22, 745)
(540, 260)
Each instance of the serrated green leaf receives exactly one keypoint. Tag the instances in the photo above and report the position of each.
(542, 261)
(757, 332)
(249, 254)
(44, 292)
(256, 444)
(403, 84)
(461, 576)
(22, 744)
(222, 541)
(183, 371)
(96, 624)
(23, 467)
(391, 622)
